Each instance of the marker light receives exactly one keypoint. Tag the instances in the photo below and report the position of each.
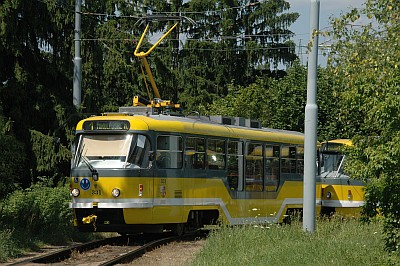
(140, 190)
(115, 192)
(163, 191)
(328, 195)
(349, 195)
(75, 192)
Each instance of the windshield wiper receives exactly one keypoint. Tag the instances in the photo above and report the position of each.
(95, 174)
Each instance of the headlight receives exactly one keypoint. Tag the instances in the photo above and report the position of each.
(75, 192)
(115, 192)
(328, 195)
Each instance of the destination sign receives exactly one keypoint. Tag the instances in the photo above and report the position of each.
(332, 148)
(106, 125)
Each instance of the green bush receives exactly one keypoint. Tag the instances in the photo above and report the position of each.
(36, 216)
(39, 212)
(7, 248)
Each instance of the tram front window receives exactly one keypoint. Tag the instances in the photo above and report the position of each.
(332, 162)
(113, 151)
(332, 158)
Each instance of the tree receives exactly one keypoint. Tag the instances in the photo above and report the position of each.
(109, 35)
(232, 42)
(12, 159)
(279, 103)
(36, 79)
(365, 62)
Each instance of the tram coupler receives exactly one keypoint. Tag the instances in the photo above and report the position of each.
(91, 219)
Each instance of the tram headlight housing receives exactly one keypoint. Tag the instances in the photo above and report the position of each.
(115, 192)
(75, 192)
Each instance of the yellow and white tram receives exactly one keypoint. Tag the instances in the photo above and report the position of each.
(142, 171)
(340, 194)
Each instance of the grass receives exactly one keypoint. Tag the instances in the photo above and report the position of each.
(335, 242)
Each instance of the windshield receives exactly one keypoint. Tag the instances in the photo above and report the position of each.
(332, 162)
(332, 158)
(112, 151)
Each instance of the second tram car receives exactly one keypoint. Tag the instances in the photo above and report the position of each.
(340, 194)
(143, 171)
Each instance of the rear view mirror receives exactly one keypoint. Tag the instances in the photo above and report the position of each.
(151, 156)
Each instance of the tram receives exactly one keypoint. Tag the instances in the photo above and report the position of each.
(144, 171)
(340, 194)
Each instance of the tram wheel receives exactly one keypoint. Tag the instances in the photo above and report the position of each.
(179, 229)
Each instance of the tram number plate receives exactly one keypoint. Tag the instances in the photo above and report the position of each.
(96, 192)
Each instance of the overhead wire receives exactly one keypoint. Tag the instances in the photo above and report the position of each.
(141, 17)
(108, 15)
(154, 13)
(206, 13)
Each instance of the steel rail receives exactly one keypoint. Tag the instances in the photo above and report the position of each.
(65, 253)
(130, 256)
(60, 255)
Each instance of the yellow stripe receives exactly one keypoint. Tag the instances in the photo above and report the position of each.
(171, 124)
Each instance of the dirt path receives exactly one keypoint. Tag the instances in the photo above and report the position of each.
(174, 254)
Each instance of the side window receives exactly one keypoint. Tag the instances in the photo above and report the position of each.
(195, 152)
(254, 167)
(235, 164)
(169, 152)
(138, 155)
(272, 153)
(288, 159)
(300, 160)
(216, 154)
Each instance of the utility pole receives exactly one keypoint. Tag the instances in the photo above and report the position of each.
(310, 131)
(77, 79)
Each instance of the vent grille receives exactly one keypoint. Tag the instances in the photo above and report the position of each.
(178, 193)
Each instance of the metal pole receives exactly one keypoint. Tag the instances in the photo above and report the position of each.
(76, 98)
(311, 112)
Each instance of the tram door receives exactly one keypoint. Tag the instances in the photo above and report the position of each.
(168, 181)
(138, 176)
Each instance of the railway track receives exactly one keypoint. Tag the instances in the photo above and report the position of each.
(110, 251)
